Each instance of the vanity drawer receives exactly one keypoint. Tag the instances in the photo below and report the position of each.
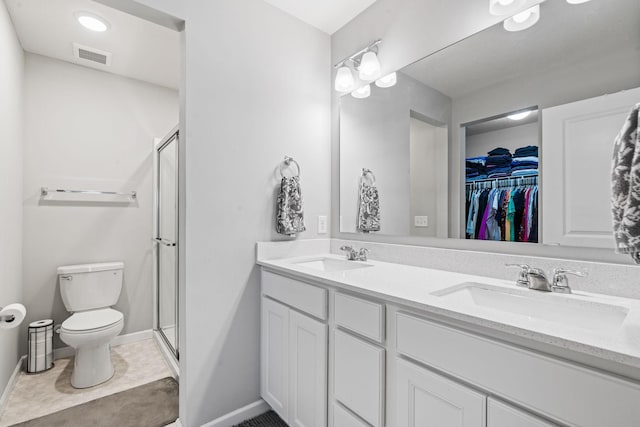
(302, 296)
(360, 316)
(358, 377)
(568, 393)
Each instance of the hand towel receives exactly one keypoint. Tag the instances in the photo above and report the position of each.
(625, 186)
(290, 215)
(368, 208)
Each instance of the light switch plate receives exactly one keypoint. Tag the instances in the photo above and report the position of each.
(421, 221)
(322, 224)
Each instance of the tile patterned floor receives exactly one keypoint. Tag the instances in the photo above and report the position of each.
(40, 394)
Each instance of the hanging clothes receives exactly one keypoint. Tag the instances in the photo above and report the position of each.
(502, 210)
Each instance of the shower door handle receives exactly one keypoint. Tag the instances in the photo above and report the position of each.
(164, 242)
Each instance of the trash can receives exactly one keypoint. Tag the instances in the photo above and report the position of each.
(40, 356)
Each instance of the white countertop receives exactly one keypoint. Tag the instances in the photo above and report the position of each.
(413, 287)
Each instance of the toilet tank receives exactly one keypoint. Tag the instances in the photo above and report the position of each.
(90, 286)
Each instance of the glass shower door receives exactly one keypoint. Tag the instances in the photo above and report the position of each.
(167, 241)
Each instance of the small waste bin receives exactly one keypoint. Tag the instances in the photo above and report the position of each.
(40, 346)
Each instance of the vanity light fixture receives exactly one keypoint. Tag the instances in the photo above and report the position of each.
(504, 7)
(519, 116)
(387, 81)
(365, 61)
(344, 80)
(362, 92)
(523, 20)
(92, 21)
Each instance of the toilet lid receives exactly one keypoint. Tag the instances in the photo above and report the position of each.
(92, 319)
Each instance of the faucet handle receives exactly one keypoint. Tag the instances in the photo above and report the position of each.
(523, 277)
(349, 252)
(561, 281)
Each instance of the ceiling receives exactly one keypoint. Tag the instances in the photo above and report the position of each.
(140, 49)
(326, 15)
(569, 36)
(499, 123)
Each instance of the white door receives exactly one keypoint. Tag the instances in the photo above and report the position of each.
(274, 372)
(500, 414)
(358, 377)
(577, 148)
(308, 371)
(425, 399)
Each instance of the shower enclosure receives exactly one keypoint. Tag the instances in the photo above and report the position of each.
(166, 240)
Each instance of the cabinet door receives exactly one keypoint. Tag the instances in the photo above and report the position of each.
(358, 377)
(308, 371)
(274, 348)
(426, 399)
(502, 415)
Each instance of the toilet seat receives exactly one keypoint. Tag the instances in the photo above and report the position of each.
(92, 321)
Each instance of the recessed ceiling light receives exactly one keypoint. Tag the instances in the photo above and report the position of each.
(519, 116)
(92, 22)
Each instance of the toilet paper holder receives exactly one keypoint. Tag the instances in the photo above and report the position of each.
(8, 319)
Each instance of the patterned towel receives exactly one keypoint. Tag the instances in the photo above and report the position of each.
(625, 186)
(368, 208)
(290, 215)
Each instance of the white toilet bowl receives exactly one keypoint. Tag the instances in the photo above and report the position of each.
(90, 333)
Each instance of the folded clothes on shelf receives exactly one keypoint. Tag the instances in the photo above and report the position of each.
(529, 150)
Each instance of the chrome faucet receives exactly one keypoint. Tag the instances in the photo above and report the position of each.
(561, 281)
(536, 279)
(355, 255)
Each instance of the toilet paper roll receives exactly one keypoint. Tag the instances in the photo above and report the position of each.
(17, 311)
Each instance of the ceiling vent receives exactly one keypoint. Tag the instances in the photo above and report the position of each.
(90, 54)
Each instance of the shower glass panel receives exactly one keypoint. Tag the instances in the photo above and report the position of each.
(167, 241)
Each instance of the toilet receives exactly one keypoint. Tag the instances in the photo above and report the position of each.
(88, 292)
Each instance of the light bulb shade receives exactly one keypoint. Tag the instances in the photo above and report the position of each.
(387, 81)
(369, 68)
(362, 92)
(504, 7)
(523, 20)
(344, 80)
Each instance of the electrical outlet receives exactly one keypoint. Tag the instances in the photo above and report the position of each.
(322, 224)
(421, 221)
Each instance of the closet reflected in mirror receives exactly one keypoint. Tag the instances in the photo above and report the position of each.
(558, 91)
(501, 177)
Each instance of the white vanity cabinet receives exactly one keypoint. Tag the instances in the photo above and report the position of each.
(499, 414)
(294, 351)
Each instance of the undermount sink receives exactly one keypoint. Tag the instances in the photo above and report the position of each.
(331, 264)
(536, 305)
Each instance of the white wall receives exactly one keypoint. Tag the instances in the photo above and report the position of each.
(11, 119)
(86, 129)
(510, 138)
(257, 88)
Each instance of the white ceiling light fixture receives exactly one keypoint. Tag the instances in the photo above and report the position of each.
(577, 1)
(344, 80)
(519, 116)
(523, 20)
(365, 61)
(504, 7)
(387, 81)
(92, 22)
(362, 92)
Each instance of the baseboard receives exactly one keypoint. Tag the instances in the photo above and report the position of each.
(236, 417)
(62, 352)
(11, 383)
(168, 355)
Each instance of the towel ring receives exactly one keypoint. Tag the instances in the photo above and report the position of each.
(286, 164)
(366, 172)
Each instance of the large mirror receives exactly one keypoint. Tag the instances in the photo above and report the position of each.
(501, 136)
